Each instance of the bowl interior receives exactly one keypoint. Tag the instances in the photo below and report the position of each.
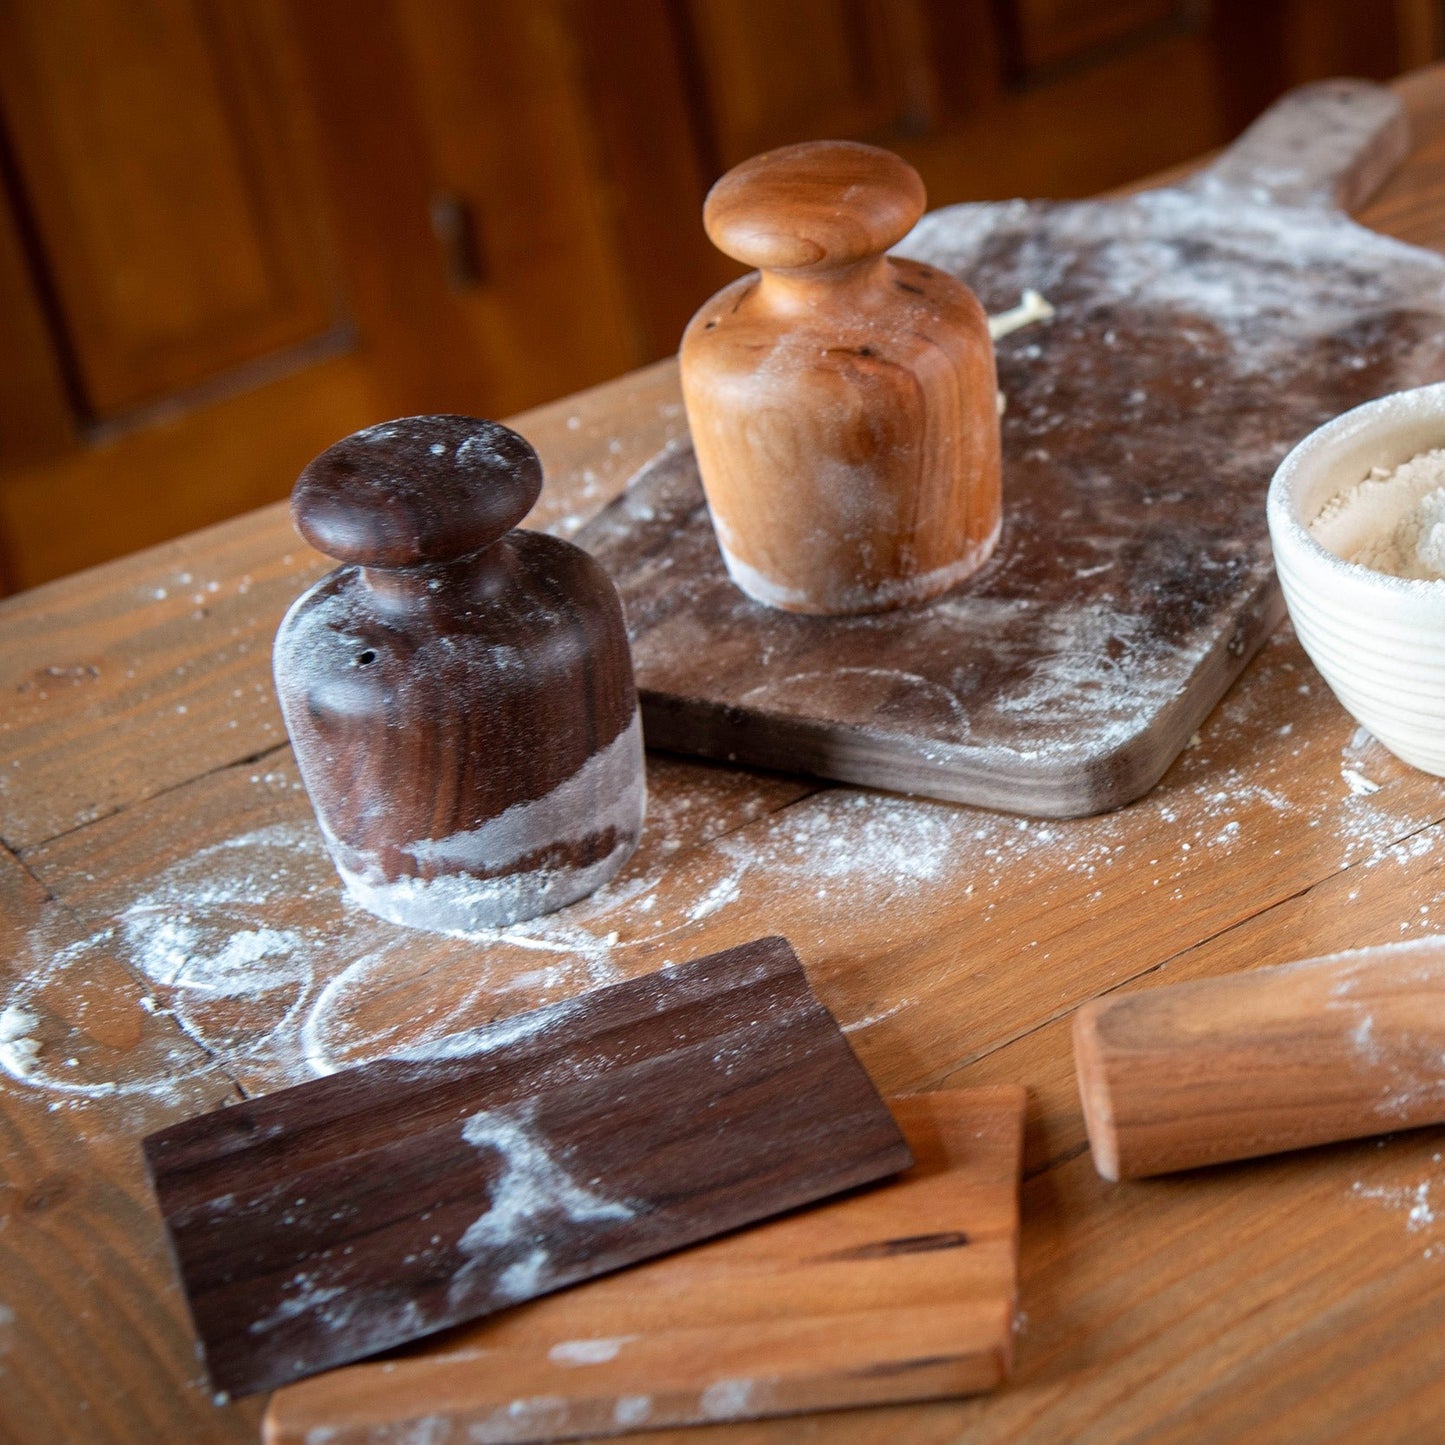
(1381, 433)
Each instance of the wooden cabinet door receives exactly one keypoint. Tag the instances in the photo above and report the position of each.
(233, 230)
(770, 74)
(177, 211)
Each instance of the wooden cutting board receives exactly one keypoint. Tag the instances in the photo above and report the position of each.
(323, 1223)
(902, 1292)
(1201, 330)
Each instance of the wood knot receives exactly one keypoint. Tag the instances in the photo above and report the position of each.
(52, 1191)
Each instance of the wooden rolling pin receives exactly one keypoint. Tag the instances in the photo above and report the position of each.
(1281, 1058)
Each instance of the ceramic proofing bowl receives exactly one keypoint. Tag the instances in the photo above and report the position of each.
(1378, 640)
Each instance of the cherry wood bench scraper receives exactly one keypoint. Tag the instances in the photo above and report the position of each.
(1254, 1063)
(323, 1223)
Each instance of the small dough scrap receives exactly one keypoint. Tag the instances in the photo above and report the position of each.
(1032, 307)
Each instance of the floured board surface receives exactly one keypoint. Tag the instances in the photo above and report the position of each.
(321, 1224)
(902, 1292)
(1201, 330)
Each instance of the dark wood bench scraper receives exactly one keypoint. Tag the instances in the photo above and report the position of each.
(323, 1223)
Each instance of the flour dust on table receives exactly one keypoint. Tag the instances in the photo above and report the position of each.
(245, 947)
(248, 948)
(1419, 1205)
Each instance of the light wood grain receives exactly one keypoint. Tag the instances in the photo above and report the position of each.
(1268, 1300)
(842, 401)
(78, 1254)
(1255, 1063)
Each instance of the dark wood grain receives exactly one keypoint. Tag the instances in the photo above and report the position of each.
(904, 1292)
(460, 698)
(1201, 331)
(419, 491)
(842, 402)
(326, 1222)
(165, 655)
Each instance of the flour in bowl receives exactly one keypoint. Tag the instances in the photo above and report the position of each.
(1393, 521)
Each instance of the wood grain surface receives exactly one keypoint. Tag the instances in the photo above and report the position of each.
(325, 1223)
(1255, 1063)
(901, 1292)
(459, 694)
(842, 402)
(1134, 576)
(172, 919)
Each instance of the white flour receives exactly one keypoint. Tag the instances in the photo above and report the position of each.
(474, 879)
(245, 948)
(532, 1186)
(1393, 521)
(588, 1352)
(18, 1051)
(1415, 1202)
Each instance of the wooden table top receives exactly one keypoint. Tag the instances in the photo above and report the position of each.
(167, 911)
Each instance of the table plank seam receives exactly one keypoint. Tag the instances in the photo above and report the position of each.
(1055, 1161)
(250, 760)
(950, 1078)
(48, 894)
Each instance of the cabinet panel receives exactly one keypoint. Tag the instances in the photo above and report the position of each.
(515, 176)
(166, 188)
(1053, 31)
(35, 412)
(188, 184)
(772, 74)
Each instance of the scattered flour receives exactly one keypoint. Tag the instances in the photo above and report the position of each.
(247, 945)
(16, 1022)
(1031, 308)
(532, 1417)
(631, 1410)
(532, 1187)
(588, 1352)
(464, 883)
(305, 1296)
(18, 1051)
(1393, 521)
(18, 1056)
(1415, 1202)
(728, 1399)
(1358, 783)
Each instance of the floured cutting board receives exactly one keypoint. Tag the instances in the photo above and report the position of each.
(323, 1223)
(903, 1292)
(1201, 331)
